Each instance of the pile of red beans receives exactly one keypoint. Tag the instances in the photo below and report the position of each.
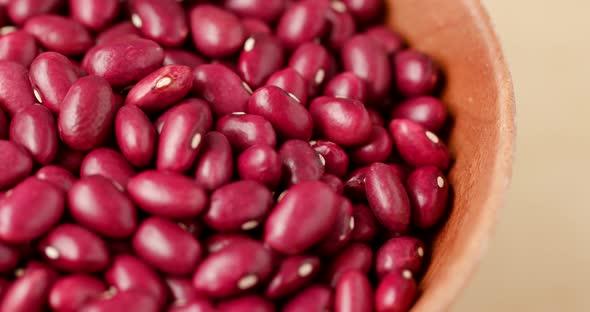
(236, 155)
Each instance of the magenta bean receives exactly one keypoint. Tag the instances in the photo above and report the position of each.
(250, 303)
(123, 63)
(215, 163)
(342, 24)
(161, 21)
(108, 163)
(126, 301)
(387, 38)
(28, 293)
(364, 10)
(250, 263)
(377, 149)
(34, 128)
(396, 292)
(289, 118)
(261, 56)
(51, 91)
(304, 21)
(347, 85)
(59, 176)
(266, 10)
(16, 92)
(18, 46)
(254, 25)
(368, 60)
(293, 274)
(136, 136)
(86, 113)
(59, 34)
(415, 73)
(195, 305)
(167, 194)
(428, 190)
(418, 146)
(353, 293)
(388, 198)
(15, 164)
(300, 162)
(398, 254)
(246, 130)
(29, 210)
(343, 121)
(72, 292)
(221, 87)
(317, 298)
(427, 111)
(376, 117)
(260, 163)
(182, 133)
(312, 61)
(215, 32)
(122, 31)
(94, 14)
(291, 81)
(69, 159)
(341, 231)
(354, 185)
(181, 289)
(356, 256)
(181, 57)
(335, 158)
(219, 241)
(365, 224)
(9, 257)
(4, 125)
(20, 11)
(128, 273)
(73, 248)
(334, 182)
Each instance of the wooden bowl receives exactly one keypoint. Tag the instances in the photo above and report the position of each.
(459, 35)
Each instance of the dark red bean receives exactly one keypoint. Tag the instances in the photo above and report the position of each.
(18, 46)
(365, 224)
(161, 21)
(182, 290)
(215, 163)
(181, 135)
(9, 257)
(356, 256)
(136, 136)
(364, 10)
(16, 92)
(343, 121)
(387, 38)
(428, 190)
(69, 159)
(260, 163)
(418, 146)
(334, 182)
(399, 254)
(354, 185)
(72, 292)
(20, 11)
(250, 263)
(341, 231)
(4, 125)
(376, 117)
(125, 62)
(52, 75)
(34, 128)
(59, 34)
(262, 9)
(396, 292)
(94, 14)
(427, 111)
(317, 298)
(415, 73)
(304, 21)
(195, 305)
(221, 87)
(162, 88)
(353, 293)
(219, 241)
(291, 81)
(59, 176)
(335, 158)
(29, 210)
(216, 32)
(300, 162)
(250, 303)
(293, 274)
(254, 25)
(28, 293)
(312, 61)
(122, 31)
(347, 85)
(181, 57)
(167, 194)
(342, 25)
(108, 163)
(401, 170)
(377, 149)
(289, 118)
(246, 130)
(261, 56)
(126, 301)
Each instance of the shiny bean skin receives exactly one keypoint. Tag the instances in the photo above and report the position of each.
(428, 190)
(342, 25)
(86, 113)
(312, 61)
(125, 301)
(300, 162)
(353, 293)
(59, 34)
(72, 292)
(122, 31)
(167, 194)
(388, 198)
(293, 273)
(32, 208)
(303, 22)
(384, 36)
(136, 136)
(222, 88)
(181, 57)
(52, 74)
(250, 303)
(260, 163)
(347, 85)
(34, 128)
(396, 292)
(215, 32)
(343, 121)
(162, 88)
(246, 130)
(291, 81)
(418, 146)
(289, 118)
(94, 14)
(364, 10)
(317, 298)
(9, 257)
(215, 162)
(365, 224)
(195, 305)
(341, 231)
(59, 176)
(355, 256)
(20, 11)
(415, 73)
(399, 254)
(335, 158)
(18, 46)
(377, 149)
(266, 10)
(254, 25)
(427, 111)
(181, 289)
(15, 90)
(219, 241)
(108, 163)
(161, 21)
(261, 56)
(28, 293)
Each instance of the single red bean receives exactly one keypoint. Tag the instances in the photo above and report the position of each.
(128, 273)
(317, 298)
(428, 191)
(261, 56)
(365, 224)
(215, 162)
(300, 162)
(195, 305)
(123, 63)
(108, 163)
(343, 121)
(254, 25)
(260, 163)
(334, 182)
(136, 136)
(250, 263)
(342, 24)
(388, 198)
(9, 257)
(427, 111)
(396, 292)
(216, 32)
(355, 256)
(182, 290)
(167, 194)
(29, 210)
(289, 118)
(418, 146)
(336, 159)
(59, 34)
(347, 85)
(161, 21)
(52, 75)
(415, 73)
(341, 231)
(72, 292)
(126, 301)
(119, 32)
(86, 113)
(69, 159)
(219, 241)
(376, 117)
(291, 81)
(20, 11)
(94, 14)
(377, 149)
(182, 57)
(354, 185)
(368, 60)
(304, 21)
(16, 92)
(265, 10)
(4, 125)
(28, 293)
(221, 87)
(18, 46)
(34, 128)
(249, 303)
(246, 130)
(399, 254)
(387, 38)
(364, 10)
(292, 274)
(59, 176)
(312, 61)
(353, 293)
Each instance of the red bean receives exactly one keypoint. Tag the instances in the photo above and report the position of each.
(9, 257)
(387, 38)
(94, 14)
(267, 10)
(136, 136)
(181, 57)
(59, 34)
(195, 305)
(347, 85)
(4, 125)
(250, 263)
(162, 88)
(16, 92)
(30, 209)
(300, 162)
(341, 230)
(427, 111)
(334, 182)
(291, 81)
(428, 191)
(293, 273)
(304, 21)
(69, 159)
(353, 293)
(72, 292)
(161, 21)
(97, 204)
(260, 163)
(59, 176)
(317, 298)
(182, 290)
(415, 73)
(122, 31)
(109, 164)
(34, 128)
(167, 194)
(335, 158)
(261, 56)
(312, 61)
(19, 47)
(343, 121)
(28, 293)
(181, 135)
(246, 130)
(20, 11)
(354, 185)
(219, 241)
(254, 25)
(125, 301)
(396, 292)
(364, 10)
(418, 146)
(365, 224)
(356, 256)
(399, 254)
(377, 149)
(342, 24)
(215, 163)
(221, 87)
(51, 91)
(216, 32)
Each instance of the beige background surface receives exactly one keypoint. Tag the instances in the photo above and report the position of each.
(540, 257)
